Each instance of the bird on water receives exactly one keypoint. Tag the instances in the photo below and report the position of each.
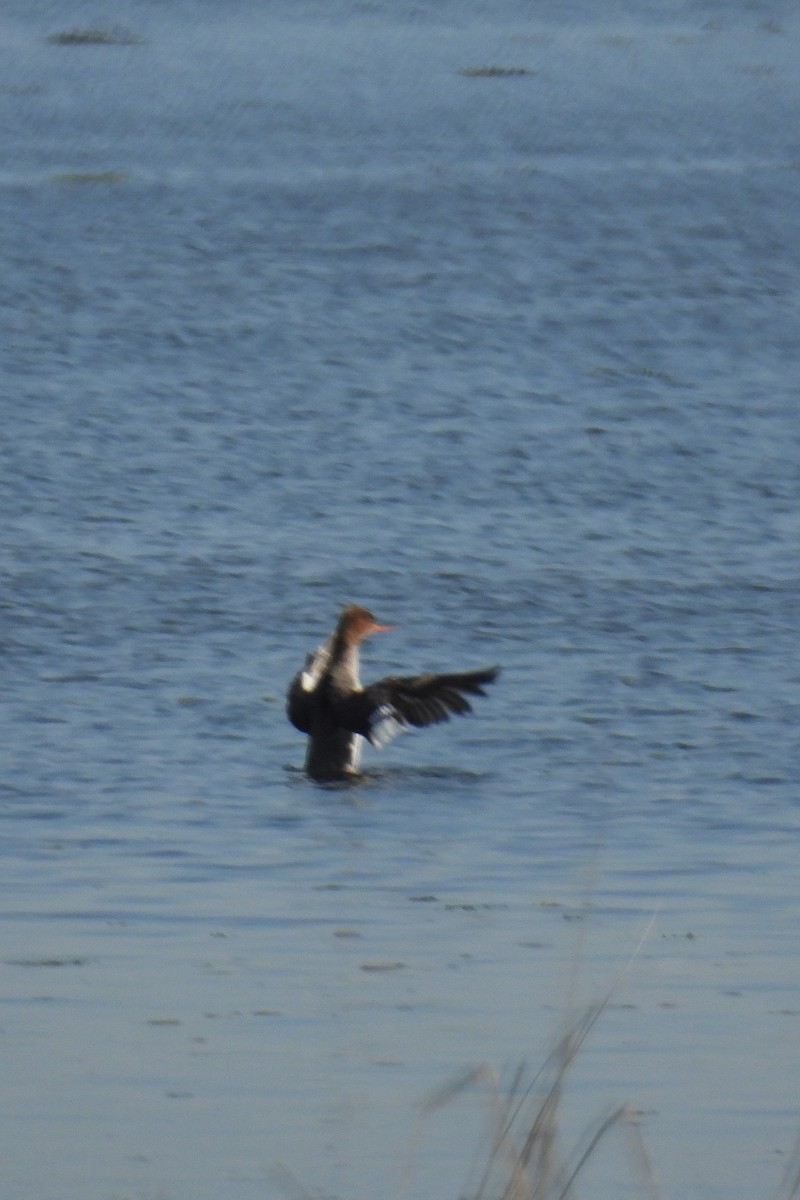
(327, 702)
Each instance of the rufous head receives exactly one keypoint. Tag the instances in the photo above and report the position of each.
(356, 623)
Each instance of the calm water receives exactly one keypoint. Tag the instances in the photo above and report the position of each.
(297, 312)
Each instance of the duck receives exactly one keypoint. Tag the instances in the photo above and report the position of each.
(326, 700)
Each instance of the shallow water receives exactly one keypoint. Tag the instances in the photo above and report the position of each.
(295, 312)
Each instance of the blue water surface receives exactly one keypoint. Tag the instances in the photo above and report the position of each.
(486, 317)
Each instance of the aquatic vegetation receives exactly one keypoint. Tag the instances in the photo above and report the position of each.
(47, 962)
(115, 36)
(107, 177)
(493, 72)
(617, 41)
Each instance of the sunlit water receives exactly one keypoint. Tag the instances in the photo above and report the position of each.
(300, 306)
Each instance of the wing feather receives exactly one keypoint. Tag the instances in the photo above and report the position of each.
(391, 705)
(303, 686)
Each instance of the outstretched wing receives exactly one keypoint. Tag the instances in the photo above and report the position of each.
(397, 702)
(299, 704)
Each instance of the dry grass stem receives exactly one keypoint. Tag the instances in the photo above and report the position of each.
(790, 1184)
(525, 1159)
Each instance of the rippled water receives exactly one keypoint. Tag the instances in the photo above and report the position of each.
(303, 306)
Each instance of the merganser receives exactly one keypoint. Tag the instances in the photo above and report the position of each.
(326, 700)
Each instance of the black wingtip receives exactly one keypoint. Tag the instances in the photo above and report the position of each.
(479, 678)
